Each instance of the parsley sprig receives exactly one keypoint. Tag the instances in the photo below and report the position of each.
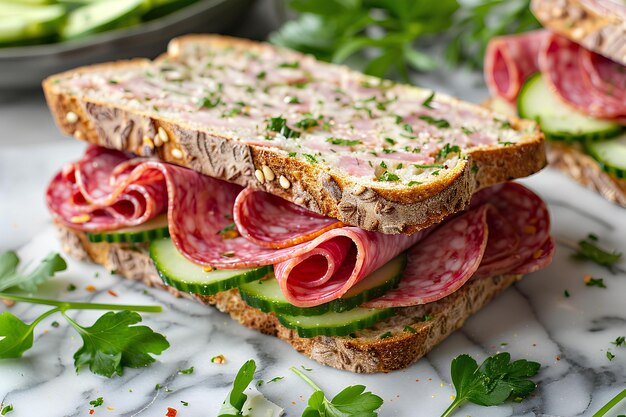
(494, 382)
(353, 401)
(588, 249)
(112, 343)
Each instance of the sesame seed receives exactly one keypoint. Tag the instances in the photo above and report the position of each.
(71, 117)
(177, 153)
(163, 135)
(157, 141)
(83, 218)
(269, 174)
(284, 182)
(259, 175)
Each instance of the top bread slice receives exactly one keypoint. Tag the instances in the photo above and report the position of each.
(375, 154)
(598, 25)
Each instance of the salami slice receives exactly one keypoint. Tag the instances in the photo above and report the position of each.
(273, 222)
(442, 263)
(539, 260)
(602, 74)
(561, 63)
(509, 60)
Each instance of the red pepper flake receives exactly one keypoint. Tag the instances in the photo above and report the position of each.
(171, 412)
(558, 358)
(113, 293)
(92, 411)
(90, 288)
(537, 254)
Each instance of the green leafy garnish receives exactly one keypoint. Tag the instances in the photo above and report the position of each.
(97, 402)
(440, 123)
(343, 142)
(388, 176)
(497, 380)
(446, 150)
(6, 409)
(594, 282)
(619, 341)
(209, 103)
(429, 99)
(612, 403)
(113, 343)
(187, 371)
(306, 123)
(10, 277)
(279, 125)
(609, 355)
(353, 401)
(233, 404)
(589, 250)
(310, 158)
(426, 166)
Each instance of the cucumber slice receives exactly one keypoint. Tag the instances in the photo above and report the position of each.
(611, 155)
(267, 296)
(557, 120)
(335, 324)
(101, 16)
(153, 229)
(20, 23)
(178, 272)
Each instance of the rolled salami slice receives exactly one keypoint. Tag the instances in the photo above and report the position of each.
(441, 263)
(561, 62)
(509, 60)
(605, 76)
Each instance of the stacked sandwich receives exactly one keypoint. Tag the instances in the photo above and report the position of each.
(360, 220)
(571, 78)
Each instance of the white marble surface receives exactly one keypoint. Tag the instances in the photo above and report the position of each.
(533, 320)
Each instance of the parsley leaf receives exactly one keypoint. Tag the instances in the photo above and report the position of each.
(343, 142)
(589, 250)
(440, 123)
(388, 176)
(353, 401)
(17, 336)
(113, 343)
(10, 277)
(497, 380)
(233, 404)
(6, 410)
(429, 99)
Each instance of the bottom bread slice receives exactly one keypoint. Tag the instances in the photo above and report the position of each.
(364, 351)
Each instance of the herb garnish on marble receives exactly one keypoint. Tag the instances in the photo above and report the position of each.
(112, 343)
(494, 382)
(588, 249)
(612, 403)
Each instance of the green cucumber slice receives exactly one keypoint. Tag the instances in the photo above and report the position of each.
(557, 120)
(267, 296)
(101, 16)
(20, 22)
(178, 272)
(335, 324)
(610, 154)
(153, 229)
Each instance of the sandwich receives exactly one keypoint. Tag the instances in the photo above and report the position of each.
(360, 220)
(571, 78)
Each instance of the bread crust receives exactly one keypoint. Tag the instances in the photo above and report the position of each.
(400, 209)
(582, 168)
(596, 28)
(366, 352)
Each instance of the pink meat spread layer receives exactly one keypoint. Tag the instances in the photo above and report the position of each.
(585, 80)
(316, 259)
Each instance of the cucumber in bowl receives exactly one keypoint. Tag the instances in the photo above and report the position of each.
(178, 272)
(610, 154)
(267, 296)
(559, 121)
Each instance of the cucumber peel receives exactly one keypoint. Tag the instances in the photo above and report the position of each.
(153, 229)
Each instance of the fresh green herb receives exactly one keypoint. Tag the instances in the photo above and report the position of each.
(261, 75)
(235, 111)
(420, 166)
(504, 124)
(400, 165)
(187, 371)
(447, 150)
(407, 127)
(310, 158)
(435, 172)
(184, 403)
(353, 401)
(495, 381)
(429, 99)
(474, 168)
(279, 125)
(208, 103)
(385, 335)
(71, 287)
(6, 409)
(467, 131)
(589, 250)
(306, 123)
(566, 294)
(55, 324)
(343, 142)
(620, 341)
(386, 150)
(390, 141)
(278, 378)
(305, 368)
(440, 123)
(109, 345)
(294, 64)
(427, 317)
(412, 183)
(97, 402)
(157, 387)
(409, 329)
(292, 154)
(609, 355)
(383, 164)
(594, 282)
(388, 176)
(612, 403)
(505, 143)
(292, 100)
(233, 404)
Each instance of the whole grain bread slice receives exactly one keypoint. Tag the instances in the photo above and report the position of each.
(364, 352)
(387, 206)
(599, 26)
